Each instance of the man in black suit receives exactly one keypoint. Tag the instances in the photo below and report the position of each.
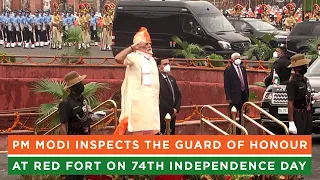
(280, 66)
(236, 85)
(170, 95)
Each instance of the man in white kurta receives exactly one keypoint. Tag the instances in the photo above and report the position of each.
(140, 88)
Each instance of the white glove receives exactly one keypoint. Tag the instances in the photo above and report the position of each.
(316, 96)
(292, 127)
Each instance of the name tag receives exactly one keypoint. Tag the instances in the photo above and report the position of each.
(94, 27)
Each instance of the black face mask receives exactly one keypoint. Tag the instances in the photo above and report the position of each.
(303, 70)
(78, 88)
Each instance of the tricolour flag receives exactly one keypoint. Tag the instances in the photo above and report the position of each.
(276, 79)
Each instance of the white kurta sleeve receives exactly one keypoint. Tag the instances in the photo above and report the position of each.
(129, 59)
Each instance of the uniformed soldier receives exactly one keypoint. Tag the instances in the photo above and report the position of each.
(47, 20)
(107, 27)
(299, 97)
(43, 29)
(290, 20)
(93, 29)
(65, 27)
(2, 32)
(75, 112)
(38, 27)
(17, 28)
(29, 31)
(84, 24)
(8, 30)
(56, 28)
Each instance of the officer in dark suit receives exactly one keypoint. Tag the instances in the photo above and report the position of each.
(170, 95)
(236, 84)
(280, 66)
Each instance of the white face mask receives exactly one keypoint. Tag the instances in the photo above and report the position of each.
(275, 54)
(166, 68)
(237, 62)
(319, 52)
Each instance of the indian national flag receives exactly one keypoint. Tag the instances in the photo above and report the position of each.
(276, 79)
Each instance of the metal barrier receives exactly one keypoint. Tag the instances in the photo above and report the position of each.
(203, 120)
(113, 103)
(245, 117)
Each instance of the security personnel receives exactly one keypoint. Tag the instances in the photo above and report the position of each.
(8, 30)
(75, 112)
(38, 24)
(93, 29)
(280, 65)
(65, 26)
(17, 28)
(71, 20)
(56, 23)
(43, 29)
(47, 19)
(299, 97)
(2, 32)
(30, 25)
(23, 26)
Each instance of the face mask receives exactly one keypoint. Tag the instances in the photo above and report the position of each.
(275, 54)
(166, 68)
(78, 88)
(319, 52)
(237, 62)
(303, 70)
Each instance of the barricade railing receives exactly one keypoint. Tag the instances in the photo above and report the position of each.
(246, 117)
(101, 61)
(203, 120)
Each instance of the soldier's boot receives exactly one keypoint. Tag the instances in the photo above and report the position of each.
(13, 45)
(60, 47)
(41, 43)
(79, 46)
(27, 45)
(1, 42)
(37, 44)
(96, 43)
(19, 44)
(32, 46)
(8, 45)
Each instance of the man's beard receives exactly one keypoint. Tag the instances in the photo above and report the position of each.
(149, 50)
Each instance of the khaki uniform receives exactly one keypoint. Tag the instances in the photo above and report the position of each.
(107, 31)
(56, 30)
(85, 31)
(289, 23)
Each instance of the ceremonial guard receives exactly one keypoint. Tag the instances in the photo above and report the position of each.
(9, 30)
(316, 12)
(265, 13)
(56, 28)
(93, 29)
(65, 27)
(84, 24)
(18, 28)
(47, 20)
(2, 27)
(43, 29)
(38, 27)
(290, 20)
(237, 10)
(31, 30)
(299, 97)
(107, 27)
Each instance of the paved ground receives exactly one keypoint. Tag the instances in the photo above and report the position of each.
(315, 163)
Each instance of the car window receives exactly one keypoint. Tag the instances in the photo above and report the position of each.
(314, 69)
(241, 26)
(130, 21)
(301, 29)
(158, 23)
(190, 25)
(316, 30)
